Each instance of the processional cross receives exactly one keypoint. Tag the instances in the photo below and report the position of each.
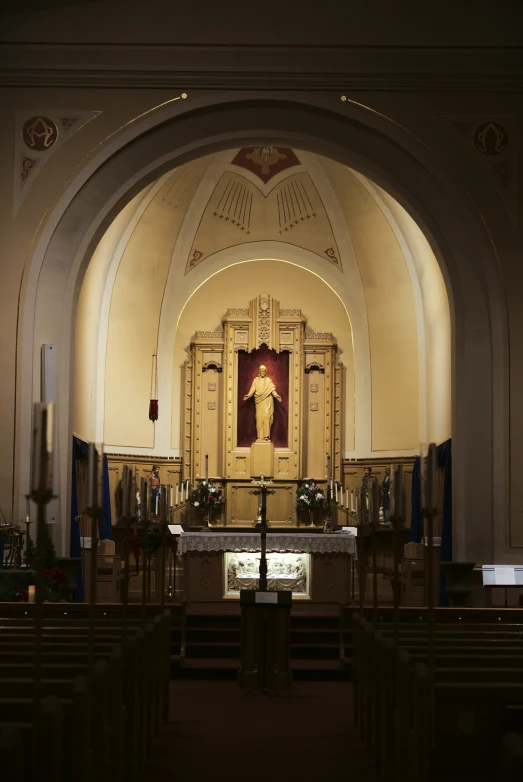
(262, 483)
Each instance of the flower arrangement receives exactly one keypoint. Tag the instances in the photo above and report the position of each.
(206, 496)
(56, 581)
(21, 595)
(309, 496)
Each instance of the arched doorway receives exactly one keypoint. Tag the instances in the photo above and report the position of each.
(353, 136)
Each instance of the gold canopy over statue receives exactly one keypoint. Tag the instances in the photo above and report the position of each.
(263, 390)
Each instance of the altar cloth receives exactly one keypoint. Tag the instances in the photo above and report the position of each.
(299, 543)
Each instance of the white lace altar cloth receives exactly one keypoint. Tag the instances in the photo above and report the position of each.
(299, 543)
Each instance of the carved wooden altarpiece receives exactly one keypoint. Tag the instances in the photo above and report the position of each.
(210, 408)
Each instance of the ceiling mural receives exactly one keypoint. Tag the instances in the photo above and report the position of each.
(266, 162)
(38, 135)
(239, 212)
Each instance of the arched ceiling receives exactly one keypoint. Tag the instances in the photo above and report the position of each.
(252, 204)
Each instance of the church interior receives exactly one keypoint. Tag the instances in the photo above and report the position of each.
(261, 366)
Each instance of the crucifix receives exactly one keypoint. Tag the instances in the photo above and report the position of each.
(262, 483)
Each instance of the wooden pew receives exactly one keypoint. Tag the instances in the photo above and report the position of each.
(134, 699)
(378, 675)
(41, 739)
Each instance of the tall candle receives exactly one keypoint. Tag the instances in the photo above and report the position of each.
(170, 496)
(335, 491)
(392, 491)
(176, 497)
(431, 478)
(347, 497)
(149, 510)
(375, 500)
(206, 468)
(398, 490)
(341, 495)
(187, 489)
(352, 500)
(94, 476)
(143, 482)
(125, 492)
(27, 511)
(164, 503)
(43, 452)
(182, 493)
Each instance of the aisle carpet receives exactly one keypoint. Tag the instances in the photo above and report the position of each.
(301, 735)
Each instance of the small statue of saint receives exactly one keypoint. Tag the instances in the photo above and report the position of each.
(263, 390)
(154, 480)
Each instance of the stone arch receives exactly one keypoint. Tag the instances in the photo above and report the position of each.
(355, 136)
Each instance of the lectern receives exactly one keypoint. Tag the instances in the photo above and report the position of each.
(265, 639)
(265, 642)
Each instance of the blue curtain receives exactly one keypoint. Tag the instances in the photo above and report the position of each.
(416, 520)
(444, 453)
(106, 527)
(106, 530)
(79, 451)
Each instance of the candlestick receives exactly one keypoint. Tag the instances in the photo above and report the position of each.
(206, 468)
(31, 592)
(43, 452)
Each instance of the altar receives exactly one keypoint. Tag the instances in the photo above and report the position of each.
(315, 567)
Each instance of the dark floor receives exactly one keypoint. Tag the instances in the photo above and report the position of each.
(301, 735)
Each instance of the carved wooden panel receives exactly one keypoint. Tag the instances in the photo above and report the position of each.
(330, 577)
(203, 576)
(314, 424)
(187, 416)
(243, 503)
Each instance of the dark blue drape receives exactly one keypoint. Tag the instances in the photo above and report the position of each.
(444, 454)
(106, 527)
(106, 530)
(75, 550)
(416, 520)
(444, 457)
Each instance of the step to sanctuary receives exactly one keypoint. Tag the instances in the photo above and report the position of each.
(207, 645)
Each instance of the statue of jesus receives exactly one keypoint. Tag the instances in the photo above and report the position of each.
(264, 390)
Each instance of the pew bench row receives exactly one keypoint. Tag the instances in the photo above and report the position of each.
(418, 728)
(108, 694)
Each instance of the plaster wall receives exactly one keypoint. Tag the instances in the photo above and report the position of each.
(391, 315)
(87, 328)
(136, 301)
(437, 330)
